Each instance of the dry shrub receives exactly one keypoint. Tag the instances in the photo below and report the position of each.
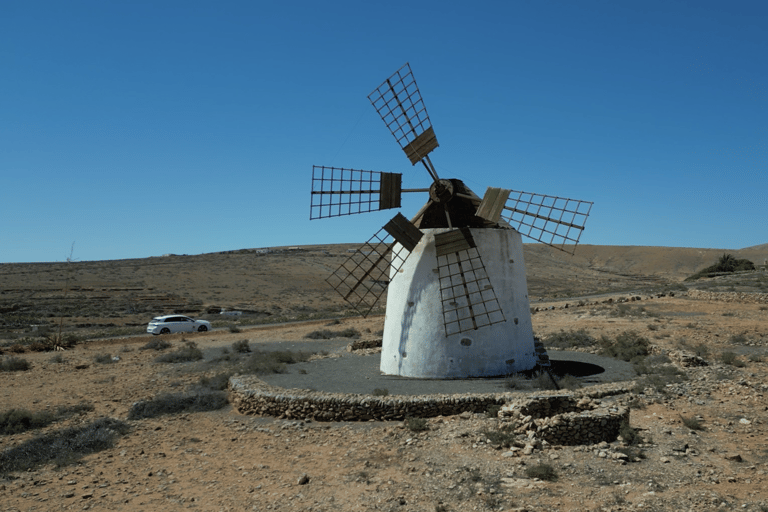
(198, 401)
(189, 352)
(156, 344)
(327, 334)
(14, 364)
(542, 472)
(62, 447)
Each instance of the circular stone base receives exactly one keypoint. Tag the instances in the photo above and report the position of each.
(347, 388)
(351, 373)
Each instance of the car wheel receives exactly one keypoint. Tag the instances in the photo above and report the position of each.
(202, 328)
(165, 330)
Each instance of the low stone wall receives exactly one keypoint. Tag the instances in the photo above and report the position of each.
(755, 298)
(565, 419)
(251, 395)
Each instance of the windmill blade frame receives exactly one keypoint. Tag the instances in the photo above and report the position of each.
(338, 191)
(399, 104)
(554, 221)
(363, 277)
(467, 297)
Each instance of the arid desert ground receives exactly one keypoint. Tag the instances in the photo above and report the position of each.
(696, 438)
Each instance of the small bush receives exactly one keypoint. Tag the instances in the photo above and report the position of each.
(624, 310)
(542, 472)
(726, 263)
(17, 348)
(189, 352)
(234, 329)
(629, 345)
(241, 347)
(156, 344)
(416, 424)
(658, 377)
(178, 402)
(739, 339)
(380, 392)
(543, 381)
(67, 340)
(266, 362)
(63, 447)
(571, 339)
(569, 382)
(701, 350)
(57, 359)
(503, 437)
(692, 422)
(65, 411)
(629, 434)
(104, 359)
(14, 364)
(16, 421)
(517, 381)
(326, 334)
(659, 363)
(755, 358)
(730, 358)
(218, 382)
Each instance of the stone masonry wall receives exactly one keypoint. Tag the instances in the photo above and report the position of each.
(755, 298)
(250, 395)
(565, 419)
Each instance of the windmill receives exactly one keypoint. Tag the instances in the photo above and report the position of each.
(457, 302)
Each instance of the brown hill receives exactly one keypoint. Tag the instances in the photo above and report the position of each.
(290, 282)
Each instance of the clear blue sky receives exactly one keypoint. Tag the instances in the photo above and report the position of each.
(138, 128)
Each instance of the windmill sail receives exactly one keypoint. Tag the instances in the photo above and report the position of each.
(467, 297)
(398, 102)
(554, 221)
(337, 191)
(364, 276)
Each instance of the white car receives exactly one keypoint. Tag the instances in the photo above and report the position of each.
(176, 323)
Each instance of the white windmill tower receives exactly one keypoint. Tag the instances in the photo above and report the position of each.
(457, 305)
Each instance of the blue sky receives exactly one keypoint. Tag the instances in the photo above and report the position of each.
(134, 129)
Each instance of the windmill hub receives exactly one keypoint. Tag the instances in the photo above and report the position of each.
(441, 191)
(459, 306)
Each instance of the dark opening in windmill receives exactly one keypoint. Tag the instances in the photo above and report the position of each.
(455, 270)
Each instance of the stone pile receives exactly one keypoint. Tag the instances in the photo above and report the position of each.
(565, 419)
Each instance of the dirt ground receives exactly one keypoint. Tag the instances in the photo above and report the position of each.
(221, 460)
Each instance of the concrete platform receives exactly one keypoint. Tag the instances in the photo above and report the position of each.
(352, 373)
